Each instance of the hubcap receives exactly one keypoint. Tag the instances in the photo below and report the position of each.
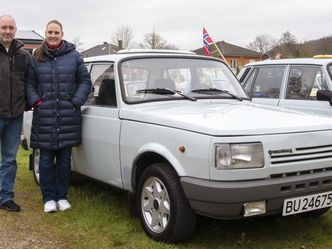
(155, 204)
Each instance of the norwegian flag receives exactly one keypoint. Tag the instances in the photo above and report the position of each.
(206, 42)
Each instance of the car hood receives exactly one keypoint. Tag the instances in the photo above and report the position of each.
(225, 118)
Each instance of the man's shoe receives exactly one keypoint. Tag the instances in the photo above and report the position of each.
(64, 205)
(10, 206)
(50, 206)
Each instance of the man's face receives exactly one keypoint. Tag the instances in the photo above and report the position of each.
(7, 30)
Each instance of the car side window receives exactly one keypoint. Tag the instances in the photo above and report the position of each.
(250, 81)
(243, 74)
(267, 82)
(103, 93)
(304, 82)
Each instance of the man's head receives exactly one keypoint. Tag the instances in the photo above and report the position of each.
(7, 30)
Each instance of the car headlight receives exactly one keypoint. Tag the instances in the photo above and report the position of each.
(239, 156)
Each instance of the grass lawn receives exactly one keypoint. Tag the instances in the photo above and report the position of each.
(99, 219)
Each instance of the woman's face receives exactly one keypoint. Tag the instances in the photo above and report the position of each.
(53, 34)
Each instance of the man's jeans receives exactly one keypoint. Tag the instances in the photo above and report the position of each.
(10, 134)
(54, 172)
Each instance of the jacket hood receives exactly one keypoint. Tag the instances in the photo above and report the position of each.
(226, 118)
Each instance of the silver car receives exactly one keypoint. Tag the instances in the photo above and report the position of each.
(298, 84)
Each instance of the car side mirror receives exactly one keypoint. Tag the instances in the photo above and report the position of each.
(324, 95)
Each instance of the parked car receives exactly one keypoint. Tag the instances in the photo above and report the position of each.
(177, 131)
(290, 83)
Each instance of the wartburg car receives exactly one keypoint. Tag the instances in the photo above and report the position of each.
(178, 132)
(298, 84)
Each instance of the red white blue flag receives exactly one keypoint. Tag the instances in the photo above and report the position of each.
(206, 42)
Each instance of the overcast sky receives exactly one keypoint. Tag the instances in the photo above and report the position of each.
(180, 22)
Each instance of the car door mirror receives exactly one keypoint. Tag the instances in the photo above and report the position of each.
(325, 95)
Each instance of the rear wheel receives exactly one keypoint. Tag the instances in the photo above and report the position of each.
(164, 211)
(35, 165)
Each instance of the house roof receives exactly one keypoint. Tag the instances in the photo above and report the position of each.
(102, 49)
(229, 50)
(28, 35)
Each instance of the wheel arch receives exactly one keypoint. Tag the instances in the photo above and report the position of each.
(149, 155)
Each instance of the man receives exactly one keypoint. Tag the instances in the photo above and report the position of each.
(13, 64)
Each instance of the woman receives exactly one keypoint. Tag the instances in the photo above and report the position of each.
(58, 84)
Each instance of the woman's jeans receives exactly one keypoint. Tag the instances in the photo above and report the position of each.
(10, 133)
(54, 172)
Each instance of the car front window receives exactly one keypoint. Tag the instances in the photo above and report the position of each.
(266, 82)
(143, 78)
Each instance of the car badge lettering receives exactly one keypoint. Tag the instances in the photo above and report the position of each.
(281, 151)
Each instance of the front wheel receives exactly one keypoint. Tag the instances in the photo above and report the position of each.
(164, 211)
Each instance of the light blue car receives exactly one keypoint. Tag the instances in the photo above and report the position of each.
(292, 83)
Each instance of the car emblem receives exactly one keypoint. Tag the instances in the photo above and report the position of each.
(280, 152)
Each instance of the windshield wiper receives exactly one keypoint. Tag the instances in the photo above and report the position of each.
(164, 91)
(216, 91)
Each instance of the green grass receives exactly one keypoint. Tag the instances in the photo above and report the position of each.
(100, 219)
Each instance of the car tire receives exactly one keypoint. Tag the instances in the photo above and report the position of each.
(316, 213)
(163, 209)
(35, 165)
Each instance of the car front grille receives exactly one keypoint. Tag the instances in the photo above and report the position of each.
(303, 154)
(311, 184)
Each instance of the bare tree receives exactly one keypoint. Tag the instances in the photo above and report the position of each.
(324, 45)
(155, 41)
(304, 50)
(288, 45)
(125, 34)
(262, 43)
(78, 44)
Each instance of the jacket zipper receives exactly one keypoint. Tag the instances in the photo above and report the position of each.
(10, 58)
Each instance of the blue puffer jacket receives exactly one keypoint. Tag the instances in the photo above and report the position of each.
(63, 83)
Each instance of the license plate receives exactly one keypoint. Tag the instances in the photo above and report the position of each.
(307, 203)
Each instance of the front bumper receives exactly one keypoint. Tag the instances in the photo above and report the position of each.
(224, 200)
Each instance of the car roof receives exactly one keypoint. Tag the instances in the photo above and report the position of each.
(309, 61)
(140, 52)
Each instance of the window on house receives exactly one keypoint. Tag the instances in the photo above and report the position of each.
(233, 63)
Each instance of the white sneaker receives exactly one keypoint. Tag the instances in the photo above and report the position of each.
(50, 206)
(64, 205)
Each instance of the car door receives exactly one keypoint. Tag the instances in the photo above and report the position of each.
(98, 156)
(303, 82)
(264, 84)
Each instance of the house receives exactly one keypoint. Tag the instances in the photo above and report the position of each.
(102, 49)
(30, 38)
(235, 56)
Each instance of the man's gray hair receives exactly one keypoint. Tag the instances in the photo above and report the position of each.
(7, 16)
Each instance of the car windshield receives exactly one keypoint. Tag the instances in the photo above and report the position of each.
(154, 79)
